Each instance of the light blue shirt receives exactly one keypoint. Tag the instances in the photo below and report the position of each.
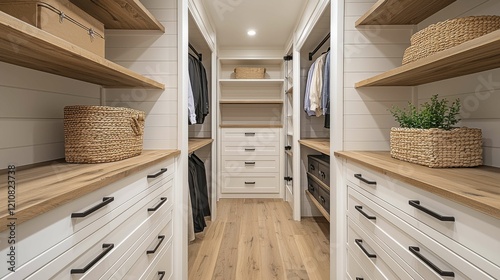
(307, 100)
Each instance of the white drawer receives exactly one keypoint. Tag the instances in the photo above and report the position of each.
(149, 248)
(121, 231)
(60, 232)
(240, 164)
(250, 149)
(471, 230)
(250, 183)
(254, 135)
(399, 237)
(354, 269)
(162, 267)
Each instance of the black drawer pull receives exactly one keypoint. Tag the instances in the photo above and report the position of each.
(360, 210)
(416, 251)
(249, 183)
(416, 204)
(161, 274)
(163, 170)
(311, 166)
(359, 278)
(249, 149)
(322, 199)
(163, 200)
(288, 148)
(360, 244)
(249, 133)
(250, 162)
(322, 174)
(161, 238)
(107, 247)
(360, 177)
(105, 201)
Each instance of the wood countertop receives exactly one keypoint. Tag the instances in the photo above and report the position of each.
(48, 185)
(320, 144)
(477, 187)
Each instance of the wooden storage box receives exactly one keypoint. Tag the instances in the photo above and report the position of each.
(249, 72)
(62, 19)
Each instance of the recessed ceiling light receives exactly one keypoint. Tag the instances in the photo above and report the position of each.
(251, 32)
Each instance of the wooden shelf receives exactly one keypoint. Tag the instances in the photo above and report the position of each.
(393, 12)
(251, 82)
(123, 14)
(320, 208)
(476, 188)
(474, 56)
(251, 101)
(251, 61)
(25, 45)
(289, 91)
(321, 144)
(251, 125)
(195, 144)
(52, 184)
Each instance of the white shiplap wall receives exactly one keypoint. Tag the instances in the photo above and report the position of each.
(154, 55)
(480, 92)
(369, 50)
(31, 113)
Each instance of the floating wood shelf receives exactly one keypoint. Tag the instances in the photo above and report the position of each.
(320, 208)
(474, 56)
(195, 144)
(251, 61)
(393, 12)
(251, 125)
(251, 101)
(25, 45)
(251, 82)
(123, 14)
(321, 144)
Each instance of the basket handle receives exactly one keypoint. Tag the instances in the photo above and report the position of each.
(136, 126)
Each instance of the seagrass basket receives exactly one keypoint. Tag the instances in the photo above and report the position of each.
(249, 72)
(458, 147)
(96, 134)
(447, 34)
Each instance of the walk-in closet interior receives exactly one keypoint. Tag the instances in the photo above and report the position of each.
(232, 139)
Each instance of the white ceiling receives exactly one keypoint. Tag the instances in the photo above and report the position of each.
(273, 20)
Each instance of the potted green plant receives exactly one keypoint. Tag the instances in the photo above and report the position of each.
(427, 136)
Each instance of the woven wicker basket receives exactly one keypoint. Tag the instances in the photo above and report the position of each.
(94, 134)
(249, 73)
(447, 34)
(458, 147)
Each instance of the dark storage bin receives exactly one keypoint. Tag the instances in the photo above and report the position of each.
(319, 167)
(319, 193)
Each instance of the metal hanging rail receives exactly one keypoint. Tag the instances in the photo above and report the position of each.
(199, 55)
(311, 54)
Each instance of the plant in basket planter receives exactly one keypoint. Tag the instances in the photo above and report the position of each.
(427, 136)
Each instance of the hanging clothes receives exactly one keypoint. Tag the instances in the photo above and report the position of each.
(199, 87)
(325, 91)
(191, 106)
(317, 93)
(198, 192)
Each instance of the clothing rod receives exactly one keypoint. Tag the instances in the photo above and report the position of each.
(199, 55)
(311, 54)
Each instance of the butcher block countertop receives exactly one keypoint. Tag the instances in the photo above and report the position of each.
(46, 186)
(477, 187)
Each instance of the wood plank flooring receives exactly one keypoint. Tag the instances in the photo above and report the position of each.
(255, 239)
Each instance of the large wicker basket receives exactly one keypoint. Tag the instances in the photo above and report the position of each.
(249, 72)
(447, 34)
(94, 134)
(458, 147)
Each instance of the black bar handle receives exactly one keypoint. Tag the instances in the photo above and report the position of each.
(105, 201)
(107, 247)
(163, 170)
(360, 210)
(249, 183)
(161, 274)
(360, 244)
(416, 204)
(359, 278)
(249, 149)
(163, 200)
(250, 162)
(416, 251)
(311, 166)
(161, 238)
(360, 177)
(249, 133)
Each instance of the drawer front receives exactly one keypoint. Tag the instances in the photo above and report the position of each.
(354, 269)
(120, 232)
(324, 199)
(470, 229)
(371, 256)
(324, 174)
(321, 194)
(250, 149)
(250, 183)
(399, 237)
(251, 135)
(163, 268)
(240, 164)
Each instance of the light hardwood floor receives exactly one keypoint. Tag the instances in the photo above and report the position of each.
(254, 239)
